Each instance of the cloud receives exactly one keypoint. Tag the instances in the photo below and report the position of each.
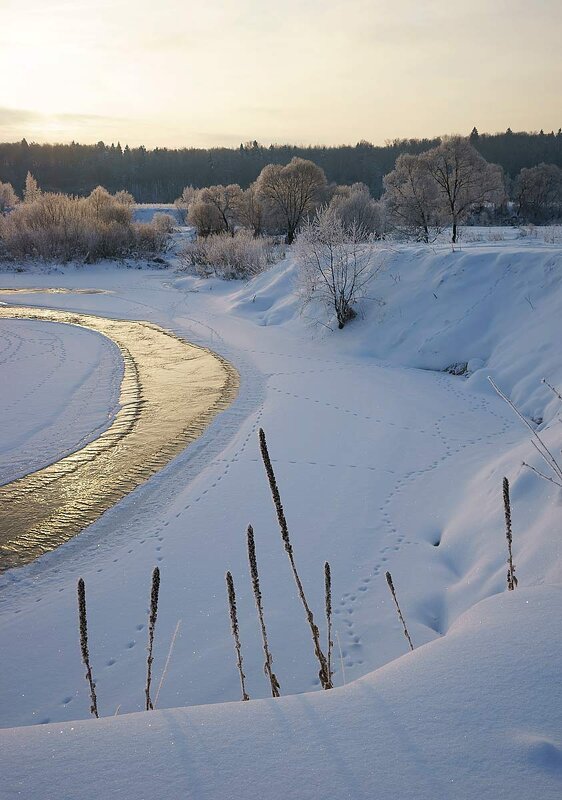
(16, 116)
(25, 122)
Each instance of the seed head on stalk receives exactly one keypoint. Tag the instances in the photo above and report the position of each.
(83, 623)
(323, 673)
(153, 613)
(236, 632)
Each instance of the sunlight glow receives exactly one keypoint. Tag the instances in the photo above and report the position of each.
(177, 73)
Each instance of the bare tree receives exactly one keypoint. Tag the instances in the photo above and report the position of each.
(337, 263)
(8, 198)
(464, 179)
(293, 190)
(538, 193)
(411, 196)
(225, 199)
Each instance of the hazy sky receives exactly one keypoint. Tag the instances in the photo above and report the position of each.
(179, 73)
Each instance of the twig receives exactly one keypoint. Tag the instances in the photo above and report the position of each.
(541, 474)
(556, 392)
(323, 674)
(235, 632)
(537, 442)
(83, 622)
(393, 592)
(168, 657)
(341, 658)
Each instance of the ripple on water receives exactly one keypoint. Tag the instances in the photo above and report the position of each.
(170, 392)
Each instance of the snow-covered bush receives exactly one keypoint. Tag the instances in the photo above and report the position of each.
(205, 218)
(230, 257)
(59, 227)
(164, 222)
(336, 263)
(150, 238)
(552, 234)
(8, 198)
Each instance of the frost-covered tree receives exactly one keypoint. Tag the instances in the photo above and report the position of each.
(354, 204)
(124, 198)
(251, 211)
(31, 191)
(411, 196)
(464, 179)
(205, 218)
(293, 191)
(538, 193)
(109, 208)
(336, 263)
(225, 199)
(8, 198)
(187, 197)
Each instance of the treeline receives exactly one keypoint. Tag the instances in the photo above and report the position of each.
(160, 175)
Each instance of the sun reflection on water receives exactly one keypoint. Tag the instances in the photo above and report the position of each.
(170, 392)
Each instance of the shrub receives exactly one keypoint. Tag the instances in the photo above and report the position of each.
(336, 264)
(230, 257)
(164, 222)
(60, 227)
(205, 218)
(8, 198)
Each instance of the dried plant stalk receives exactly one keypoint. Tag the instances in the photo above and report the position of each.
(267, 667)
(236, 633)
(83, 622)
(341, 658)
(323, 673)
(393, 592)
(328, 603)
(153, 613)
(511, 579)
(168, 658)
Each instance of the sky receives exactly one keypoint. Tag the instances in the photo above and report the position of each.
(175, 73)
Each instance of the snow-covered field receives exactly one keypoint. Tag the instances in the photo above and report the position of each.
(384, 462)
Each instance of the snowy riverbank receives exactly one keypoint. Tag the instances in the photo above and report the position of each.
(384, 462)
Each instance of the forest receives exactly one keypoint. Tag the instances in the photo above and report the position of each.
(159, 175)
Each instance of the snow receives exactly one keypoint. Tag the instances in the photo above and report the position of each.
(383, 462)
(59, 390)
(462, 718)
